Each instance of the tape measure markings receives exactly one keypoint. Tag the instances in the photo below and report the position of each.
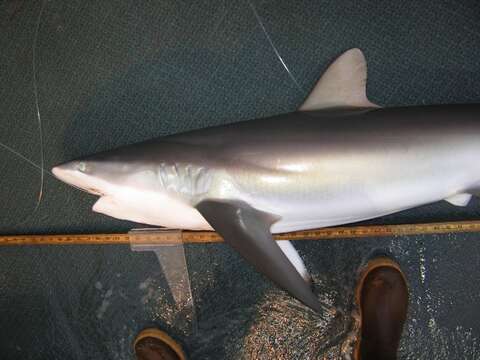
(172, 237)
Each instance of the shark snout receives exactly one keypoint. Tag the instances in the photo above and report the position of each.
(76, 174)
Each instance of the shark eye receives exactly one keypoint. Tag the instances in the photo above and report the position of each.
(82, 167)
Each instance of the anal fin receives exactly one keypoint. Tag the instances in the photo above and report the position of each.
(459, 199)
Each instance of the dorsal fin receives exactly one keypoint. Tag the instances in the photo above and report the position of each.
(344, 84)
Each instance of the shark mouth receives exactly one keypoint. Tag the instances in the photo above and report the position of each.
(79, 180)
(94, 192)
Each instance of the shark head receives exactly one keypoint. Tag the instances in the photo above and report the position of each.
(82, 175)
(108, 173)
(135, 188)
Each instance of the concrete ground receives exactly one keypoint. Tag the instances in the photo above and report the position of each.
(116, 72)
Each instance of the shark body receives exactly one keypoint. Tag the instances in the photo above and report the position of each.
(339, 159)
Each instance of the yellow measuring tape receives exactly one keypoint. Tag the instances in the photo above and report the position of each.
(172, 237)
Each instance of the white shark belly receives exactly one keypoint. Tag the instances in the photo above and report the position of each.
(149, 208)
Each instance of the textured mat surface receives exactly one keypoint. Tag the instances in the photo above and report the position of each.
(112, 73)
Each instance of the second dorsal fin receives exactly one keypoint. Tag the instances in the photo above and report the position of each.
(343, 84)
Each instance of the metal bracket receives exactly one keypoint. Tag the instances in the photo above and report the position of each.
(173, 264)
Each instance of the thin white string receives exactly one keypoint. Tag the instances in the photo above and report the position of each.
(24, 158)
(40, 167)
(37, 106)
(277, 53)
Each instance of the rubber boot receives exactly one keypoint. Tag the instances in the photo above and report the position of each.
(382, 301)
(154, 344)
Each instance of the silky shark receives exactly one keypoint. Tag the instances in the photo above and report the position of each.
(338, 159)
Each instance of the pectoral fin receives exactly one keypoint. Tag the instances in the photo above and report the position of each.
(247, 230)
